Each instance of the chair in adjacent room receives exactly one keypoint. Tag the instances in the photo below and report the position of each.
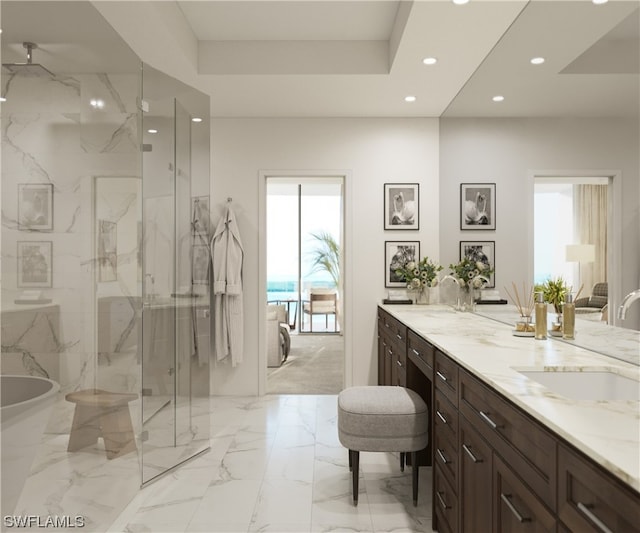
(278, 338)
(321, 302)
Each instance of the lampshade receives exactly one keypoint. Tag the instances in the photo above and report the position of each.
(581, 253)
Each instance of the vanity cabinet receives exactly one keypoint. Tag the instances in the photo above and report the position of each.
(495, 467)
(392, 350)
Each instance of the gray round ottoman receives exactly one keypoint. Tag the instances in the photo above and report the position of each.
(382, 419)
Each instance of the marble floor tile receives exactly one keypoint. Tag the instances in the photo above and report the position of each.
(275, 464)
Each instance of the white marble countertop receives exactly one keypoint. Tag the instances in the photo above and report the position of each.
(606, 431)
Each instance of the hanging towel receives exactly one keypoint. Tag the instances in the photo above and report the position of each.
(227, 255)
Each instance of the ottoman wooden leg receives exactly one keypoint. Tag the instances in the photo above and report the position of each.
(355, 472)
(415, 472)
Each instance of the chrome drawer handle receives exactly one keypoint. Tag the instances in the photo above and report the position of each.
(596, 521)
(442, 457)
(415, 351)
(486, 418)
(399, 336)
(443, 504)
(442, 376)
(470, 454)
(441, 417)
(399, 364)
(506, 498)
(386, 325)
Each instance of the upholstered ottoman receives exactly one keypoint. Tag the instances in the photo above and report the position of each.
(382, 419)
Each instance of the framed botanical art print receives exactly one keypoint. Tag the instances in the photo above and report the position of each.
(483, 252)
(401, 206)
(478, 206)
(396, 255)
(200, 273)
(107, 250)
(35, 206)
(35, 263)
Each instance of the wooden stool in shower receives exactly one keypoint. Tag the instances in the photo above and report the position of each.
(102, 414)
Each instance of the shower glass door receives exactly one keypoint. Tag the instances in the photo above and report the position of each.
(175, 311)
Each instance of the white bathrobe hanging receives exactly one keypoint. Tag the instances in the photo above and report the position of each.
(227, 254)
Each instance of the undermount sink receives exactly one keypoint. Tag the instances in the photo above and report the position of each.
(595, 385)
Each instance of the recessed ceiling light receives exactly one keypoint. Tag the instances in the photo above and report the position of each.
(3, 99)
(97, 103)
(460, 2)
(152, 131)
(410, 98)
(598, 2)
(430, 60)
(196, 119)
(537, 60)
(498, 98)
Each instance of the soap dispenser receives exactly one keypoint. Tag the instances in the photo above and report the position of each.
(541, 317)
(569, 318)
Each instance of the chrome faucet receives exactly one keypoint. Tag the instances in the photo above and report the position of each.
(626, 303)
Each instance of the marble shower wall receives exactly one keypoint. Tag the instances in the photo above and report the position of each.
(51, 134)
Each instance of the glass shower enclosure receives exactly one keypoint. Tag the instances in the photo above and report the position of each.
(175, 273)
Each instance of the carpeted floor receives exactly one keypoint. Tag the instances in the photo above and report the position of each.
(315, 366)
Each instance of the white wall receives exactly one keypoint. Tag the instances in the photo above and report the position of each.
(507, 152)
(373, 152)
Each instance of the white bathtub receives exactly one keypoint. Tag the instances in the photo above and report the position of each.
(25, 410)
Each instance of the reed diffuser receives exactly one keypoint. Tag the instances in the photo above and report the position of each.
(525, 304)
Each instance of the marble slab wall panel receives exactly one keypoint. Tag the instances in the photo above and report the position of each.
(51, 134)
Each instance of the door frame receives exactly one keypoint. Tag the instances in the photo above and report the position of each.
(263, 175)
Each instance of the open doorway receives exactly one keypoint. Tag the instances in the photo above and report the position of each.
(304, 243)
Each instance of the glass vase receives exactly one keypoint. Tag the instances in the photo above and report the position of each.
(419, 296)
(466, 299)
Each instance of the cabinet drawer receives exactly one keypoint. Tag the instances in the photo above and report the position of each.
(445, 502)
(446, 377)
(419, 349)
(445, 417)
(445, 455)
(395, 328)
(516, 508)
(589, 499)
(521, 441)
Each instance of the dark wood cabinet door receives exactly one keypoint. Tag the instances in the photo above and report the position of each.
(475, 480)
(516, 508)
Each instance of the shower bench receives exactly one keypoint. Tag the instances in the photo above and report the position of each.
(104, 414)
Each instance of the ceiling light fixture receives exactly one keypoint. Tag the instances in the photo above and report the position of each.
(537, 60)
(430, 60)
(410, 98)
(498, 98)
(152, 131)
(599, 2)
(96, 103)
(3, 99)
(460, 2)
(196, 119)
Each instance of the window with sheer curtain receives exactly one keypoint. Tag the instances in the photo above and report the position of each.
(590, 203)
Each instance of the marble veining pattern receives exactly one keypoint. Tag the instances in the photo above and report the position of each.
(606, 431)
(294, 477)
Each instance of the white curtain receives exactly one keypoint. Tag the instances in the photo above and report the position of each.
(590, 226)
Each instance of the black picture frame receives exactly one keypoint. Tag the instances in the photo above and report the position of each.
(396, 254)
(483, 251)
(478, 206)
(35, 264)
(35, 206)
(401, 206)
